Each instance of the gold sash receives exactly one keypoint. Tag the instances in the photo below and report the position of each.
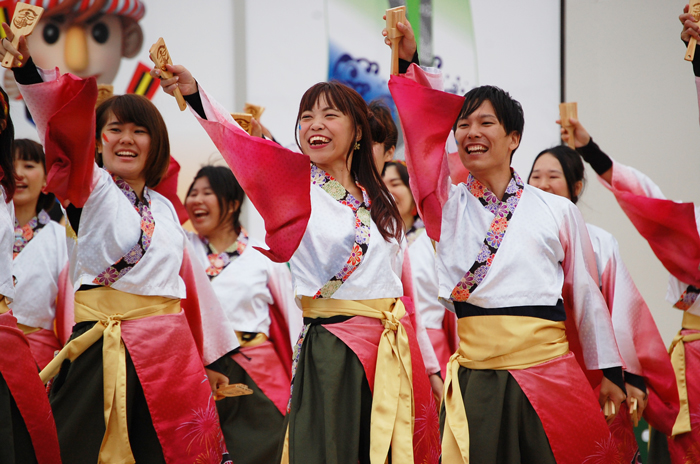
(493, 342)
(392, 403)
(27, 329)
(677, 351)
(3, 305)
(259, 339)
(109, 307)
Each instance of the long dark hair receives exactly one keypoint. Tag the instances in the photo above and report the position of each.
(383, 211)
(29, 150)
(571, 165)
(227, 190)
(138, 110)
(7, 159)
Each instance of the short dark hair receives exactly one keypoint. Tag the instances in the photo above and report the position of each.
(138, 110)
(227, 190)
(509, 112)
(571, 165)
(382, 114)
(29, 150)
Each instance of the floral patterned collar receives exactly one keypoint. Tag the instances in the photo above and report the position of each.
(503, 211)
(24, 234)
(689, 296)
(219, 261)
(362, 227)
(415, 231)
(127, 262)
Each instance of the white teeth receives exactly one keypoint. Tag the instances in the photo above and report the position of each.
(318, 139)
(126, 153)
(476, 149)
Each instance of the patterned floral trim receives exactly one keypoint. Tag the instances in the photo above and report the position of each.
(415, 231)
(295, 360)
(503, 210)
(24, 234)
(219, 261)
(689, 296)
(362, 227)
(127, 262)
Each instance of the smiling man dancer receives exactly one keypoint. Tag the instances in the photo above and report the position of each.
(517, 267)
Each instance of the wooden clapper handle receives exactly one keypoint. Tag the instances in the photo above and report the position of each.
(24, 21)
(567, 111)
(393, 16)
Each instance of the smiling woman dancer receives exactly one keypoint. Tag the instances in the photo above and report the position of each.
(327, 209)
(516, 264)
(131, 385)
(648, 373)
(257, 297)
(40, 257)
(28, 432)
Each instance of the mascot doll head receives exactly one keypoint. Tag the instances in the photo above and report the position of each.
(86, 37)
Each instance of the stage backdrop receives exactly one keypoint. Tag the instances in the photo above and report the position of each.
(269, 52)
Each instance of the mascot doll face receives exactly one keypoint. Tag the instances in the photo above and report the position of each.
(87, 38)
(93, 48)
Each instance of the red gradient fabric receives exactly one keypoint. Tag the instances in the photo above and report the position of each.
(70, 154)
(276, 180)
(267, 370)
(168, 188)
(427, 116)
(19, 370)
(569, 411)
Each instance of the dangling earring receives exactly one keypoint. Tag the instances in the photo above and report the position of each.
(357, 146)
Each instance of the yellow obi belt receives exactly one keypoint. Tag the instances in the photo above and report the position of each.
(392, 403)
(498, 342)
(249, 339)
(3, 305)
(109, 307)
(677, 352)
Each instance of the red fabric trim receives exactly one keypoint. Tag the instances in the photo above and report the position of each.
(427, 117)
(438, 338)
(279, 335)
(190, 304)
(276, 180)
(671, 230)
(263, 364)
(458, 173)
(65, 299)
(449, 325)
(168, 188)
(43, 345)
(176, 388)
(20, 373)
(569, 411)
(70, 155)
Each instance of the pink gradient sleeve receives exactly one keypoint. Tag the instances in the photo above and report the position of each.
(276, 180)
(427, 116)
(589, 326)
(641, 346)
(670, 227)
(63, 108)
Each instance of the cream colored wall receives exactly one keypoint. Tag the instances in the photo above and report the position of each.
(637, 97)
